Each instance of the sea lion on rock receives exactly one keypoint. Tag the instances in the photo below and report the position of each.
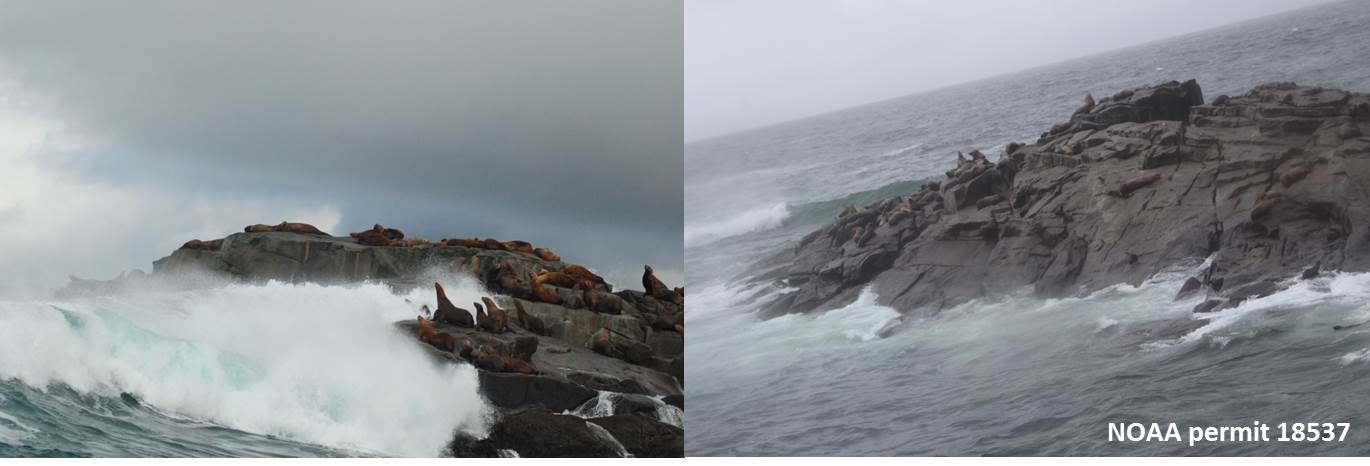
(196, 245)
(379, 235)
(409, 243)
(528, 321)
(543, 294)
(990, 200)
(1086, 106)
(519, 246)
(508, 280)
(494, 245)
(463, 242)
(496, 320)
(584, 274)
(1133, 184)
(258, 228)
(434, 338)
(449, 313)
(664, 323)
(546, 254)
(298, 228)
(1294, 175)
(680, 290)
(656, 289)
(560, 279)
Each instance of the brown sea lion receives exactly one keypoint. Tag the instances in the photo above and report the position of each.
(546, 254)
(494, 244)
(680, 290)
(409, 243)
(541, 293)
(519, 246)
(582, 273)
(508, 280)
(463, 242)
(560, 279)
(258, 228)
(680, 328)
(196, 245)
(1086, 106)
(298, 228)
(1133, 184)
(656, 289)
(590, 295)
(528, 321)
(376, 236)
(990, 200)
(497, 321)
(433, 337)
(449, 313)
(600, 342)
(1294, 175)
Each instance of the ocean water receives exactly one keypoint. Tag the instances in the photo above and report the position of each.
(229, 370)
(1020, 375)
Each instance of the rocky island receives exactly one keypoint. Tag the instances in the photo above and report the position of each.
(572, 366)
(1268, 187)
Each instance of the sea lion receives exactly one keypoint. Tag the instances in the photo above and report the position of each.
(560, 279)
(542, 294)
(409, 243)
(463, 242)
(494, 244)
(449, 313)
(508, 280)
(590, 295)
(519, 246)
(601, 344)
(1133, 184)
(584, 274)
(258, 228)
(497, 321)
(196, 245)
(680, 290)
(1294, 175)
(298, 228)
(1086, 106)
(546, 254)
(680, 328)
(434, 338)
(489, 358)
(656, 289)
(528, 321)
(990, 200)
(378, 236)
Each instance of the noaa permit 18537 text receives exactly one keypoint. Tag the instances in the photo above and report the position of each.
(1255, 432)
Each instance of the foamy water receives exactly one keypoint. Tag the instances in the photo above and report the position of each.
(307, 363)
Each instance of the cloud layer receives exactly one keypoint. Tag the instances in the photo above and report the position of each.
(554, 122)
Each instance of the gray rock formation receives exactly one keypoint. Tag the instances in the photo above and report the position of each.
(1267, 184)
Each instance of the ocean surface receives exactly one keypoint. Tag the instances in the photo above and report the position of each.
(229, 370)
(1016, 376)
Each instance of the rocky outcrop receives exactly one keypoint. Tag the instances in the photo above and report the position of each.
(538, 343)
(1267, 184)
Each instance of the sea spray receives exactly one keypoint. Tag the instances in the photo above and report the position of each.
(316, 364)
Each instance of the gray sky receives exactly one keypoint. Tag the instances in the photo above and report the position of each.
(554, 122)
(759, 62)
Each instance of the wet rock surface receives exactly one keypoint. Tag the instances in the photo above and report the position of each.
(1268, 184)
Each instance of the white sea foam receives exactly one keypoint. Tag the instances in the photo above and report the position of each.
(758, 219)
(317, 364)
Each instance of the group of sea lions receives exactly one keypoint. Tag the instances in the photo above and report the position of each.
(497, 245)
(489, 318)
(379, 235)
(584, 286)
(285, 227)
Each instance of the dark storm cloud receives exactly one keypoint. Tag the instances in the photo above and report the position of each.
(558, 122)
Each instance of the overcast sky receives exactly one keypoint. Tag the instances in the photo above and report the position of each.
(759, 62)
(127, 128)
